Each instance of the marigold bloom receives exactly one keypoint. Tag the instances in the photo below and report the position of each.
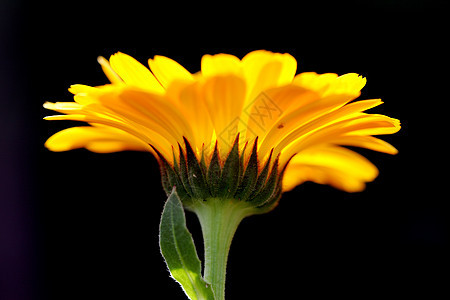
(230, 139)
(297, 122)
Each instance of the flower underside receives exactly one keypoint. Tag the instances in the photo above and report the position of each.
(296, 125)
(231, 178)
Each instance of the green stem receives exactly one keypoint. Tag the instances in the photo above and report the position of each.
(219, 219)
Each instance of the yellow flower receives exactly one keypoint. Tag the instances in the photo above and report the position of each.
(297, 122)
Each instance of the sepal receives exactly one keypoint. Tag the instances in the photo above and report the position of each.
(249, 179)
(235, 177)
(214, 173)
(230, 174)
(196, 177)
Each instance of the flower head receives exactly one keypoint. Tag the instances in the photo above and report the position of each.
(235, 129)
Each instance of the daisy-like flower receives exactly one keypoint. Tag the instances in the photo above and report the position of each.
(245, 130)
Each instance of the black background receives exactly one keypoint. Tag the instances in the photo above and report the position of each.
(79, 225)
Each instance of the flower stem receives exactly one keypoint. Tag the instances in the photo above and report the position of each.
(219, 219)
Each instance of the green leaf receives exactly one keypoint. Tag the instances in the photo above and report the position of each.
(178, 250)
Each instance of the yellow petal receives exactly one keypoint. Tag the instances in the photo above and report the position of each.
(362, 124)
(220, 64)
(263, 70)
(64, 107)
(145, 134)
(336, 166)
(167, 70)
(81, 88)
(375, 124)
(224, 97)
(368, 142)
(350, 83)
(268, 109)
(154, 112)
(303, 120)
(109, 72)
(193, 106)
(96, 139)
(314, 81)
(316, 118)
(87, 95)
(330, 83)
(134, 73)
(116, 104)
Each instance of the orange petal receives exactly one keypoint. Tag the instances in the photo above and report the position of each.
(368, 142)
(307, 123)
(335, 166)
(224, 96)
(96, 139)
(363, 124)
